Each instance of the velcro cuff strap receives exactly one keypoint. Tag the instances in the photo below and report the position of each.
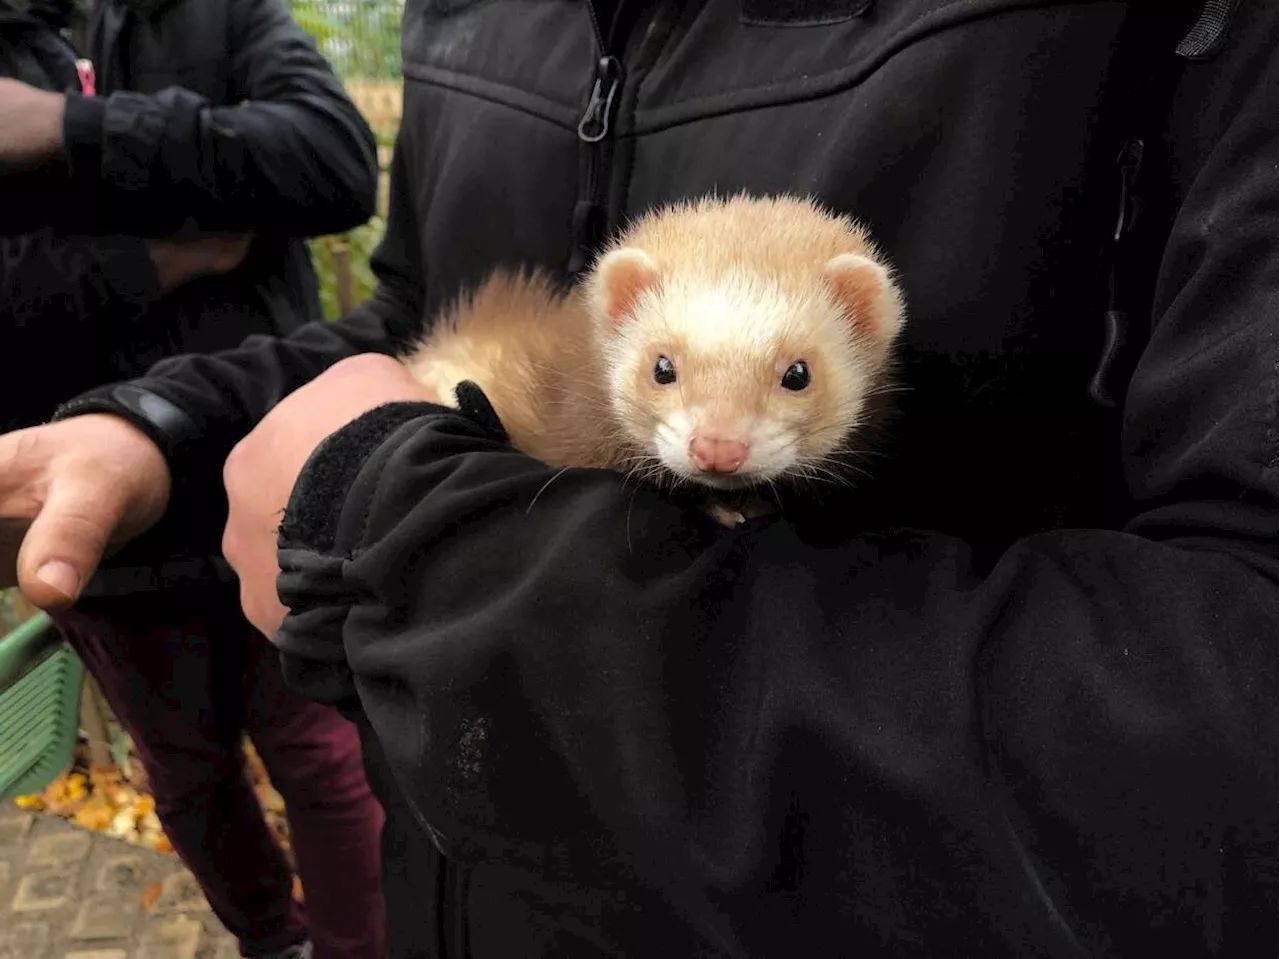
(165, 423)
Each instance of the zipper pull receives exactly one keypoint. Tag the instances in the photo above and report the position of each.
(1130, 162)
(594, 125)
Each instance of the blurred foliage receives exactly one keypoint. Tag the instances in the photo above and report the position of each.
(359, 244)
(361, 38)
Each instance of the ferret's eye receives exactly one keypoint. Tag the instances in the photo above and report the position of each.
(797, 376)
(664, 371)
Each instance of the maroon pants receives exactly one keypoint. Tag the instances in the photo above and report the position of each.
(188, 677)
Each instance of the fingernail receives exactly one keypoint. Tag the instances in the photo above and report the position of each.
(60, 576)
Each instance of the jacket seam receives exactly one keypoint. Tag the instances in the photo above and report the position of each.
(544, 108)
(838, 80)
(644, 121)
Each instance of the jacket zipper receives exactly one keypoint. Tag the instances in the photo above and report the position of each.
(1113, 366)
(595, 130)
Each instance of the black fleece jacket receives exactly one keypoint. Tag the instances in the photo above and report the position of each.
(1017, 696)
(208, 115)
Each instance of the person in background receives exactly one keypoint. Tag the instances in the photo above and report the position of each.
(1015, 696)
(160, 208)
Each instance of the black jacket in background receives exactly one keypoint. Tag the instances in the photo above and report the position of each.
(34, 43)
(1017, 696)
(210, 115)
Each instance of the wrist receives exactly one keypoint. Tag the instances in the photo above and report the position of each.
(166, 261)
(81, 134)
(143, 459)
(192, 480)
(162, 422)
(48, 115)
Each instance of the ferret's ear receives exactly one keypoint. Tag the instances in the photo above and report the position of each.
(867, 292)
(621, 277)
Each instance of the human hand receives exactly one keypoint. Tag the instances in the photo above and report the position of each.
(262, 469)
(179, 260)
(69, 491)
(30, 123)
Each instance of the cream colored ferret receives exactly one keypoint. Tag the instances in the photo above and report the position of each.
(725, 342)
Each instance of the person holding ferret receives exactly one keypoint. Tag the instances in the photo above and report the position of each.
(1012, 693)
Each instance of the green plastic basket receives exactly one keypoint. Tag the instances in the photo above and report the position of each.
(40, 679)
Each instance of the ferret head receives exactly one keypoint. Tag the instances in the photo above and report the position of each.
(742, 337)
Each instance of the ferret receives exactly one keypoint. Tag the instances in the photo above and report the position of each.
(729, 343)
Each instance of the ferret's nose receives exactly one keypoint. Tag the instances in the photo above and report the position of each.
(713, 455)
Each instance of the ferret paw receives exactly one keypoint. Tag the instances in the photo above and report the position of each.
(725, 516)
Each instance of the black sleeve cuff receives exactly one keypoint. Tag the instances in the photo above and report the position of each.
(82, 127)
(321, 491)
(165, 423)
(310, 583)
(196, 494)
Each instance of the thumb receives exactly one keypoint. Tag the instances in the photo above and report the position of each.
(67, 539)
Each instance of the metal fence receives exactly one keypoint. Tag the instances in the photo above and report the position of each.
(361, 38)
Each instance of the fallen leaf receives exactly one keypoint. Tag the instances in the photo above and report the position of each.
(77, 786)
(151, 894)
(121, 823)
(95, 815)
(107, 798)
(104, 774)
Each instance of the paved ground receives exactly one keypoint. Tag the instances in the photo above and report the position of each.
(66, 893)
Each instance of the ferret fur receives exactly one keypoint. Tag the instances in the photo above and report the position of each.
(733, 291)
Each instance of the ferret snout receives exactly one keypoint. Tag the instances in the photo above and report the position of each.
(711, 454)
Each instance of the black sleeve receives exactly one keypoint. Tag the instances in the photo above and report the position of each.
(1082, 738)
(51, 285)
(196, 407)
(294, 156)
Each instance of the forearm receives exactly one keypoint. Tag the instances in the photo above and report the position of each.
(280, 147)
(304, 168)
(630, 664)
(197, 408)
(217, 398)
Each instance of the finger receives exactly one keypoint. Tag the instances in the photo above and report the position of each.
(24, 455)
(23, 459)
(231, 549)
(67, 540)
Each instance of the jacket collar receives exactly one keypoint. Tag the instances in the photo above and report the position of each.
(143, 8)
